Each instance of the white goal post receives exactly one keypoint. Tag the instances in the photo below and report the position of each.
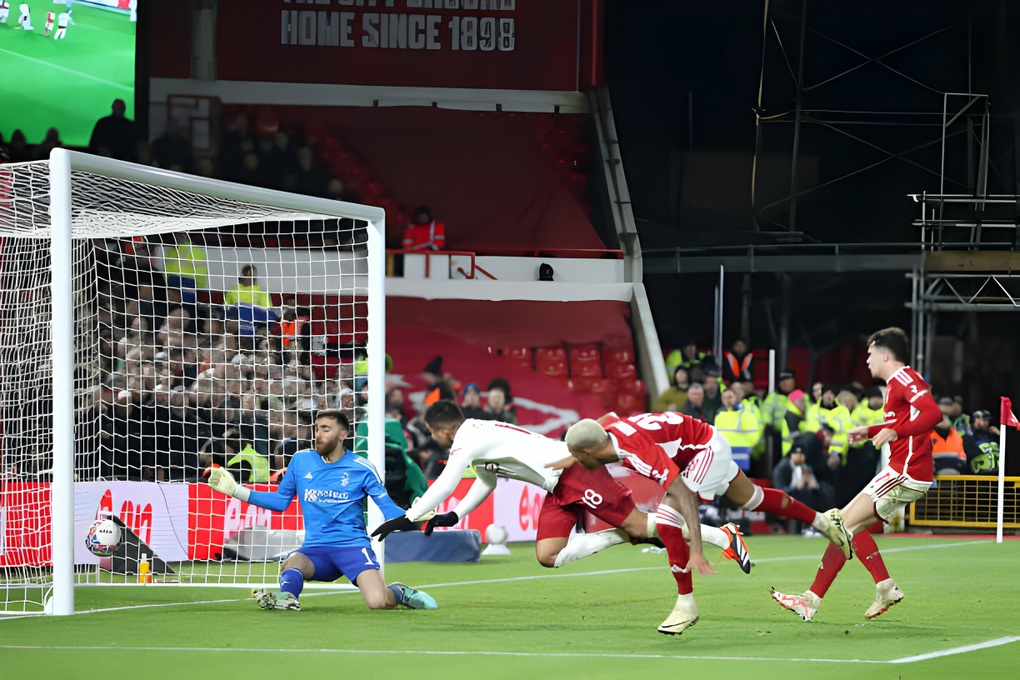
(139, 347)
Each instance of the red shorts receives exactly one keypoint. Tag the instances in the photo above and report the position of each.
(579, 490)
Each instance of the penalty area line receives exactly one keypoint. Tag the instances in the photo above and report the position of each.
(958, 650)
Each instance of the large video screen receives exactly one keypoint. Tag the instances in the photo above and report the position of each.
(67, 77)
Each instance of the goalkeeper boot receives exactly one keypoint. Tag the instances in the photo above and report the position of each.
(414, 599)
(737, 549)
(888, 595)
(805, 605)
(834, 529)
(269, 601)
(683, 616)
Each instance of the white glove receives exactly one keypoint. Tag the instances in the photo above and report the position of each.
(221, 480)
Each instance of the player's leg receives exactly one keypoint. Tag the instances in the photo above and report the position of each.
(361, 566)
(752, 497)
(669, 525)
(296, 569)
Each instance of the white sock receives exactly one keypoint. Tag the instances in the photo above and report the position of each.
(583, 545)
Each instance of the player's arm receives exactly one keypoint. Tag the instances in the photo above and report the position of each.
(221, 480)
(687, 502)
(484, 484)
(444, 485)
(377, 491)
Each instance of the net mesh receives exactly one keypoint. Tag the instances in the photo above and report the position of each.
(207, 331)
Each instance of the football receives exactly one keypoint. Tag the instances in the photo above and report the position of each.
(495, 534)
(103, 538)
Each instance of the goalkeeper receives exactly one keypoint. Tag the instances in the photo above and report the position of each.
(498, 449)
(331, 483)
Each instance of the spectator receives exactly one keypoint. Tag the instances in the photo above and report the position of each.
(738, 422)
(438, 385)
(863, 458)
(695, 403)
(18, 148)
(687, 356)
(471, 403)
(797, 479)
(50, 142)
(236, 144)
(960, 420)
(948, 447)
(309, 177)
(114, 135)
(172, 150)
(713, 398)
(499, 402)
(185, 266)
(986, 438)
(5, 153)
(424, 232)
(247, 291)
(675, 396)
(736, 361)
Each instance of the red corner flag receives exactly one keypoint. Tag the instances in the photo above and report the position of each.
(1006, 416)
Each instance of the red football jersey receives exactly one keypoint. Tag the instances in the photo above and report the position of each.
(912, 413)
(650, 435)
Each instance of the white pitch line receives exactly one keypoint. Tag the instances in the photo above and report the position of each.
(79, 74)
(433, 652)
(958, 650)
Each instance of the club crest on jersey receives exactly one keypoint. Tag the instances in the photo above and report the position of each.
(345, 479)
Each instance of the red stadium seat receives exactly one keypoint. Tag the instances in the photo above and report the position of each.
(621, 371)
(551, 361)
(619, 355)
(586, 361)
(521, 354)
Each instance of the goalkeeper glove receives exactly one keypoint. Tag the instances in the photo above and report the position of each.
(221, 480)
(447, 519)
(396, 524)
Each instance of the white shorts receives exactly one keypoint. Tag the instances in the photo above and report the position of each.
(890, 491)
(710, 472)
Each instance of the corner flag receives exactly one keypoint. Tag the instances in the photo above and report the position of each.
(1006, 416)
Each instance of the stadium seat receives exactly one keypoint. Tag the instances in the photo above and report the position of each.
(521, 354)
(618, 371)
(551, 361)
(585, 361)
(619, 355)
(629, 404)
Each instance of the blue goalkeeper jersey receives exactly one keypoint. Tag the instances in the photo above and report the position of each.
(331, 496)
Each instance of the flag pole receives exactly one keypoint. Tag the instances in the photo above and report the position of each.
(1002, 481)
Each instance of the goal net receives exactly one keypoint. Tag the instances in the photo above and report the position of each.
(153, 325)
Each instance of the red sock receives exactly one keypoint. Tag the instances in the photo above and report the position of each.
(867, 552)
(778, 502)
(669, 525)
(832, 562)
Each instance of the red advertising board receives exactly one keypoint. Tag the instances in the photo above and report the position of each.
(499, 44)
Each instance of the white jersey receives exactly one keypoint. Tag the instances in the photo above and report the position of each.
(496, 450)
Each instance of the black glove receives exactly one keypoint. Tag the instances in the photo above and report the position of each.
(396, 524)
(447, 519)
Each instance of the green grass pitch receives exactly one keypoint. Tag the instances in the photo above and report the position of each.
(67, 83)
(507, 617)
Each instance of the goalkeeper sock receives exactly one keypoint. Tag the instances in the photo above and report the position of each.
(398, 591)
(583, 545)
(292, 581)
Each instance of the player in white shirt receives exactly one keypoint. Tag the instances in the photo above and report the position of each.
(498, 449)
(62, 20)
(25, 20)
(5, 10)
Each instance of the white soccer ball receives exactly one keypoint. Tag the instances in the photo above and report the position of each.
(103, 538)
(495, 534)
